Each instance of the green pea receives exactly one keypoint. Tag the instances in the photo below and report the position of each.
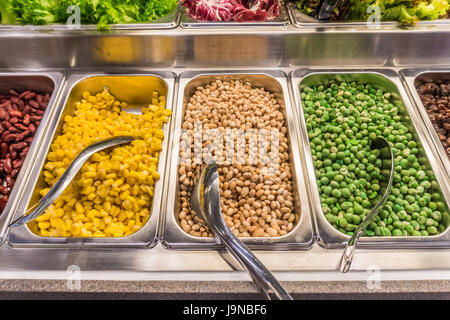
(366, 204)
(356, 219)
(398, 225)
(415, 225)
(432, 206)
(343, 222)
(436, 215)
(372, 226)
(336, 193)
(358, 208)
(409, 209)
(369, 233)
(410, 229)
(342, 118)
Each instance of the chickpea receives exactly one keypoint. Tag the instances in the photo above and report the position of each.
(256, 202)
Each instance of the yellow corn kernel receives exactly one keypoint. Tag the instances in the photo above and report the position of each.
(107, 206)
(43, 225)
(127, 205)
(43, 217)
(124, 195)
(85, 233)
(44, 233)
(121, 216)
(108, 196)
(88, 226)
(129, 214)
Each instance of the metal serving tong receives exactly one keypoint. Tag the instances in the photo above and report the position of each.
(388, 163)
(205, 201)
(39, 207)
(327, 9)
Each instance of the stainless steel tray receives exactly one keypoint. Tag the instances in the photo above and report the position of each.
(133, 88)
(302, 20)
(301, 237)
(169, 21)
(188, 22)
(37, 81)
(327, 235)
(414, 78)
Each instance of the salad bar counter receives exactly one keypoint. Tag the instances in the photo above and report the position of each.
(327, 89)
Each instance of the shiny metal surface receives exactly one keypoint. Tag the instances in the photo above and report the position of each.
(388, 80)
(63, 182)
(228, 49)
(231, 48)
(414, 78)
(135, 88)
(205, 199)
(173, 236)
(302, 20)
(22, 81)
(379, 143)
(169, 21)
(188, 22)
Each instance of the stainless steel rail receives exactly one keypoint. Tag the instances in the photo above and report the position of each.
(239, 49)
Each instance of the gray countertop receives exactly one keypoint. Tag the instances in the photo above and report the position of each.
(58, 289)
(159, 273)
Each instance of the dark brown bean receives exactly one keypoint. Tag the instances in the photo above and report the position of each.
(436, 99)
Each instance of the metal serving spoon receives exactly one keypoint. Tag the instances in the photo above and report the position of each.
(327, 8)
(205, 201)
(388, 158)
(39, 207)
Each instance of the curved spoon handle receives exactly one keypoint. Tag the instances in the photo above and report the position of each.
(67, 177)
(259, 273)
(347, 255)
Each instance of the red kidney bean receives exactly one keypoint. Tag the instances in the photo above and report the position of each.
(20, 115)
(4, 190)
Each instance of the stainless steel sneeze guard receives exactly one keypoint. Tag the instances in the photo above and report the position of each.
(76, 85)
(301, 20)
(41, 82)
(169, 21)
(413, 79)
(127, 52)
(301, 237)
(327, 235)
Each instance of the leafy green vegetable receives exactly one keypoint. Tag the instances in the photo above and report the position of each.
(7, 15)
(156, 9)
(100, 12)
(404, 11)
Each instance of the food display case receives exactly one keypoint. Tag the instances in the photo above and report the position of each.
(177, 55)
